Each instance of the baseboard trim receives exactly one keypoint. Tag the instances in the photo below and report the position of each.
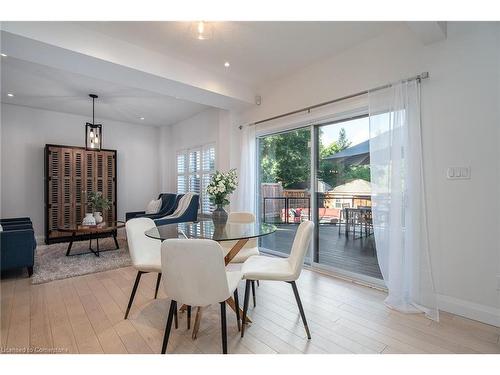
(471, 310)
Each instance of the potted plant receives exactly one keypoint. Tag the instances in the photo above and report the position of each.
(220, 187)
(97, 204)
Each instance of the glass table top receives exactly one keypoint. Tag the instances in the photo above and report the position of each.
(206, 229)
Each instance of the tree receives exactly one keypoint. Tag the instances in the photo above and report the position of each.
(329, 171)
(285, 158)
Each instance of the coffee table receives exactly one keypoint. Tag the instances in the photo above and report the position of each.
(93, 232)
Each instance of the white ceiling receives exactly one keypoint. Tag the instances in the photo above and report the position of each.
(39, 86)
(56, 66)
(258, 52)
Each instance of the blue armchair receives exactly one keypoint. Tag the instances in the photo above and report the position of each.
(186, 210)
(17, 245)
(168, 205)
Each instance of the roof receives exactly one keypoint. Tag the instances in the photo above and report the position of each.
(357, 154)
(355, 187)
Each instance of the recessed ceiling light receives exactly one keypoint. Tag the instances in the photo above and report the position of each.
(9, 94)
(3, 55)
(226, 64)
(141, 118)
(203, 30)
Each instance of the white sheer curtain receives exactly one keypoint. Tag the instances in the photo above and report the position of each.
(399, 209)
(245, 199)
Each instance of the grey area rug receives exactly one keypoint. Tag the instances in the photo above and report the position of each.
(51, 262)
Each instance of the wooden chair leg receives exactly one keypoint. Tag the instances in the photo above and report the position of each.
(132, 295)
(245, 306)
(172, 310)
(237, 309)
(197, 320)
(223, 326)
(253, 292)
(189, 318)
(301, 309)
(158, 279)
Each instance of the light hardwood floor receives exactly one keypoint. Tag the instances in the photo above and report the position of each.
(85, 315)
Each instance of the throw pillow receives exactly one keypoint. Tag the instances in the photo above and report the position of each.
(153, 207)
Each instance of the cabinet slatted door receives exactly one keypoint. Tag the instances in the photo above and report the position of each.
(72, 173)
(66, 203)
(79, 185)
(109, 185)
(89, 172)
(54, 183)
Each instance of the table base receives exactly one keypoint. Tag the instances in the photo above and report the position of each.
(95, 251)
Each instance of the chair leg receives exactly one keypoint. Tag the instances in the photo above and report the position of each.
(134, 289)
(189, 318)
(301, 309)
(223, 326)
(258, 283)
(253, 292)
(237, 309)
(158, 279)
(245, 307)
(176, 320)
(171, 311)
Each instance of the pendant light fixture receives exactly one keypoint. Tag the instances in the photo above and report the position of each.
(93, 131)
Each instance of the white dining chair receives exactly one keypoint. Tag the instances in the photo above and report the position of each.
(250, 249)
(280, 269)
(196, 276)
(145, 253)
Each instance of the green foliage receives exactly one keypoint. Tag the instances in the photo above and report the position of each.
(97, 202)
(285, 158)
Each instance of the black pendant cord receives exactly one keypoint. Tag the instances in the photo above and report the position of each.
(94, 97)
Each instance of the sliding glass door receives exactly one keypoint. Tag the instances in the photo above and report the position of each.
(284, 179)
(344, 229)
(335, 157)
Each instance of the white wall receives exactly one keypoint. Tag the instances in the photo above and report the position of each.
(209, 126)
(460, 111)
(24, 133)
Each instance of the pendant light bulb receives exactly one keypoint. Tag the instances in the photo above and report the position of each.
(91, 134)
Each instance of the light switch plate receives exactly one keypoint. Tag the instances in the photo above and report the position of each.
(458, 173)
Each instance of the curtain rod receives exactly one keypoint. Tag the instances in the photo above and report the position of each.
(418, 77)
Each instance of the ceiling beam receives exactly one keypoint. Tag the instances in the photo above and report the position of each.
(70, 47)
(429, 31)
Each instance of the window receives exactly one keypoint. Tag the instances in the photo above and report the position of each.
(195, 167)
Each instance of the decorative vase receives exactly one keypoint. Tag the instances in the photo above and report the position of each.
(88, 219)
(219, 215)
(98, 217)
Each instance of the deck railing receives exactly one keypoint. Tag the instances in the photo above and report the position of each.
(292, 210)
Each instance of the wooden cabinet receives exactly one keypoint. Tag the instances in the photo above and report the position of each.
(71, 173)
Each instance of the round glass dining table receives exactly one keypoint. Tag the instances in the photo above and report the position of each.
(205, 228)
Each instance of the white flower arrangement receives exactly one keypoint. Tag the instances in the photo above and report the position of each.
(221, 186)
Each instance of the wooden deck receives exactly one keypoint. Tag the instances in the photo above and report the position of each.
(353, 254)
(85, 315)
